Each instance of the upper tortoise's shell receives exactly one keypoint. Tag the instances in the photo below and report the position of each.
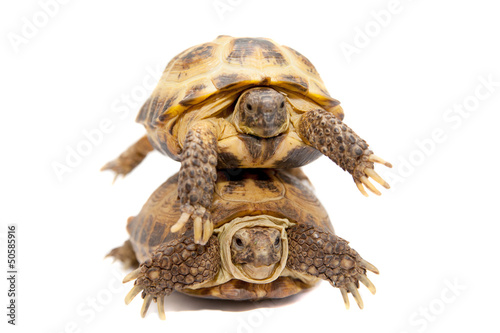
(231, 64)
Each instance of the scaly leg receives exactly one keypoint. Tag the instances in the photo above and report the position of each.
(328, 257)
(197, 179)
(130, 158)
(321, 130)
(173, 266)
(125, 254)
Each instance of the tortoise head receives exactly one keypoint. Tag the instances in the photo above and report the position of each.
(261, 111)
(256, 251)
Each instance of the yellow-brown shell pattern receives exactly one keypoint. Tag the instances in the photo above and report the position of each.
(230, 64)
(279, 193)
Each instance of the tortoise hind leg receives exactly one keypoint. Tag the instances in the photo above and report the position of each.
(125, 254)
(174, 265)
(130, 158)
(329, 257)
(323, 131)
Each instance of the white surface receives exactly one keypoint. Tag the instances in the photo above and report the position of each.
(437, 224)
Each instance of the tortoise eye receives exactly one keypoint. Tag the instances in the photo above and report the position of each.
(282, 105)
(238, 242)
(249, 106)
(277, 241)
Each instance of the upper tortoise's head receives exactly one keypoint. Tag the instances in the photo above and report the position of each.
(261, 111)
(256, 251)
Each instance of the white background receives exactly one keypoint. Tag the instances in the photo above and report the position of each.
(436, 227)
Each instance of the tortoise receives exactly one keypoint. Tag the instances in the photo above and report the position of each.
(243, 103)
(272, 239)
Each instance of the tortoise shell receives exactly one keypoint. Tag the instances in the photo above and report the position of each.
(238, 193)
(221, 69)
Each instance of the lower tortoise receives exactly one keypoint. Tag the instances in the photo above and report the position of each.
(272, 239)
(243, 103)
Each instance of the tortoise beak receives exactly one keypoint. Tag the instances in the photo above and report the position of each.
(258, 273)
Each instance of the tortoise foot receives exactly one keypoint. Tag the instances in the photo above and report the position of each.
(173, 266)
(323, 131)
(203, 226)
(130, 158)
(125, 254)
(364, 170)
(330, 258)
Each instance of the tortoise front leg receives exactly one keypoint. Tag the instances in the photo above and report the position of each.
(323, 131)
(130, 158)
(173, 266)
(197, 179)
(326, 256)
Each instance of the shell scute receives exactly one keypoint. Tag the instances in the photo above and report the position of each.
(294, 82)
(230, 80)
(159, 113)
(309, 67)
(191, 62)
(194, 94)
(247, 50)
(220, 70)
(279, 193)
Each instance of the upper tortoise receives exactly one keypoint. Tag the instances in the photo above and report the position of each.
(243, 103)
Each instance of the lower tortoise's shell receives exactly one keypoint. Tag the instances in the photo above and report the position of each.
(238, 193)
(241, 192)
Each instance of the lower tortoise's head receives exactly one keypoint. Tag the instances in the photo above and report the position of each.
(256, 251)
(262, 112)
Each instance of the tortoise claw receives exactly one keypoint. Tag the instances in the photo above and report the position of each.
(181, 222)
(366, 265)
(377, 178)
(161, 307)
(368, 172)
(115, 167)
(361, 188)
(132, 293)
(354, 291)
(208, 229)
(351, 287)
(376, 159)
(366, 281)
(132, 275)
(202, 224)
(198, 229)
(343, 291)
(145, 305)
(369, 185)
